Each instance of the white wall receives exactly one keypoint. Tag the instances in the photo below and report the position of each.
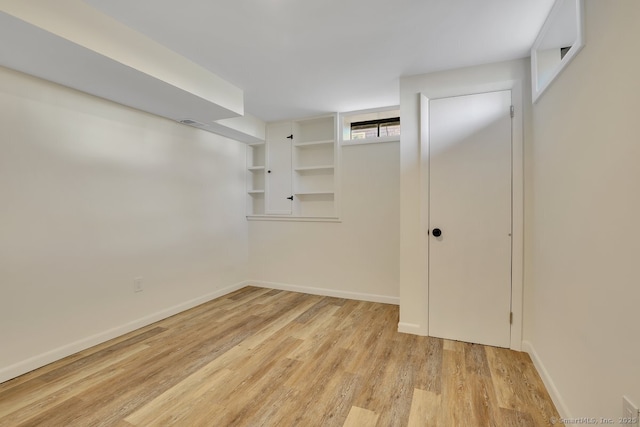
(93, 194)
(413, 211)
(356, 258)
(585, 326)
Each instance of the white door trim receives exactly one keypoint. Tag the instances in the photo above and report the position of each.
(517, 254)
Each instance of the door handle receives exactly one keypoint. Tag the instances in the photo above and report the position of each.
(436, 232)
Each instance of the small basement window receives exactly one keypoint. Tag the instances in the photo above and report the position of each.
(371, 126)
(375, 128)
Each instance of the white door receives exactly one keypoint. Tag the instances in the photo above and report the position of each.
(278, 191)
(470, 210)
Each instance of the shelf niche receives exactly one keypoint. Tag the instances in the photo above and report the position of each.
(311, 146)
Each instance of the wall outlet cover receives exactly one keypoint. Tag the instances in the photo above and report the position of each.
(137, 284)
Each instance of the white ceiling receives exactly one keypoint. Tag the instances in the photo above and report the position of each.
(296, 58)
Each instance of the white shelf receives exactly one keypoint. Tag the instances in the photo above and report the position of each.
(315, 168)
(314, 193)
(251, 192)
(256, 144)
(312, 143)
(255, 168)
(306, 218)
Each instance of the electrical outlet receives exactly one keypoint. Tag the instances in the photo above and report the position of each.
(630, 413)
(137, 284)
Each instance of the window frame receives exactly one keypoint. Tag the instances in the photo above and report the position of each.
(377, 122)
(384, 114)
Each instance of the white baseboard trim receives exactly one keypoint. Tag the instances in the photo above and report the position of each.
(68, 349)
(548, 382)
(412, 328)
(326, 292)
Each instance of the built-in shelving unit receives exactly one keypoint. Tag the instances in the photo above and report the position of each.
(309, 146)
(314, 161)
(256, 178)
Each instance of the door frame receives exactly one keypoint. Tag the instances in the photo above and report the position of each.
(517, 199)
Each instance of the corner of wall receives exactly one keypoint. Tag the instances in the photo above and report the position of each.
(561, 406)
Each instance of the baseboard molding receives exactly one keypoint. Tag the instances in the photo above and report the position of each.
(412, 328)
(43, 359)
(74, 347)
(548, 382)
(326, 292)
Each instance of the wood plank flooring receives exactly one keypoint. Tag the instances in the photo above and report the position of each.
(260, 357)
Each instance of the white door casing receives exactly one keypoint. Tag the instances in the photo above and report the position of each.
(470, 201)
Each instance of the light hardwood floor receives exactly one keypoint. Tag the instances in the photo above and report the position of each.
(266, 357)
